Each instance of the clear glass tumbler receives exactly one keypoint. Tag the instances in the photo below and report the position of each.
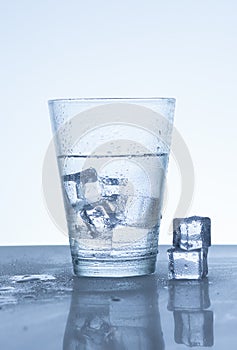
(112, 157)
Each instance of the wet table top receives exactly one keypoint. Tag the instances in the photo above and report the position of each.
(42, 306)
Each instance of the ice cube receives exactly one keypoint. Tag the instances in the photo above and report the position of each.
(142, 211)
(193, 328)
(70, 188)
(187, 264)
(72, 177)
(117, 205)
(192, 233)
(88, 175)
(99, 218)
(70, 184)
(111, 186)
(88, 186)
(112, 190)
(191, 296)
(79, 185)
(91, 192)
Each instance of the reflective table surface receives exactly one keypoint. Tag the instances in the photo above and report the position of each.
(42, 306)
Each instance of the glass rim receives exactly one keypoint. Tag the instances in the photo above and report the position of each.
(94, 99)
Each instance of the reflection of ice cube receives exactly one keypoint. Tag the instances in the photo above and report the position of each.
(187, 264)
(194, 328)
(94, 334)
(191, 296)
(192, 233)
(111, 186)
(99, 218)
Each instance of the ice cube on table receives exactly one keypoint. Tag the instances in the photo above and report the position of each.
(99, 218)
(192, 233)
(193, 328)
(187, 264)
(191, 296)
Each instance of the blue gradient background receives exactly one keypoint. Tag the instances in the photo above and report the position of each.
(185, 49)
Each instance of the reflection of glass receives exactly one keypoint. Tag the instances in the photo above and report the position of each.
(188, 301)
(114, 314)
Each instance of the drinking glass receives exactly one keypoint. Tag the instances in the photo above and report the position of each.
(112, 157)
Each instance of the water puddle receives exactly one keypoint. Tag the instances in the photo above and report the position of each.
(31, 278)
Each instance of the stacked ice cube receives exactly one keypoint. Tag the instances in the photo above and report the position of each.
(191, 240)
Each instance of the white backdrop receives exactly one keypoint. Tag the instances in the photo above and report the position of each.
(52, 49)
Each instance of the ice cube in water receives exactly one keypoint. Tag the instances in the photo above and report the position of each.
(70, 182)
(88, 175)
(142, 211)
(99, 218)
(78, 185)
(112, 190)
(111, 186)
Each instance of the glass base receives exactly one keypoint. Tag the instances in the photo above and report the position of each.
(114, 268)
